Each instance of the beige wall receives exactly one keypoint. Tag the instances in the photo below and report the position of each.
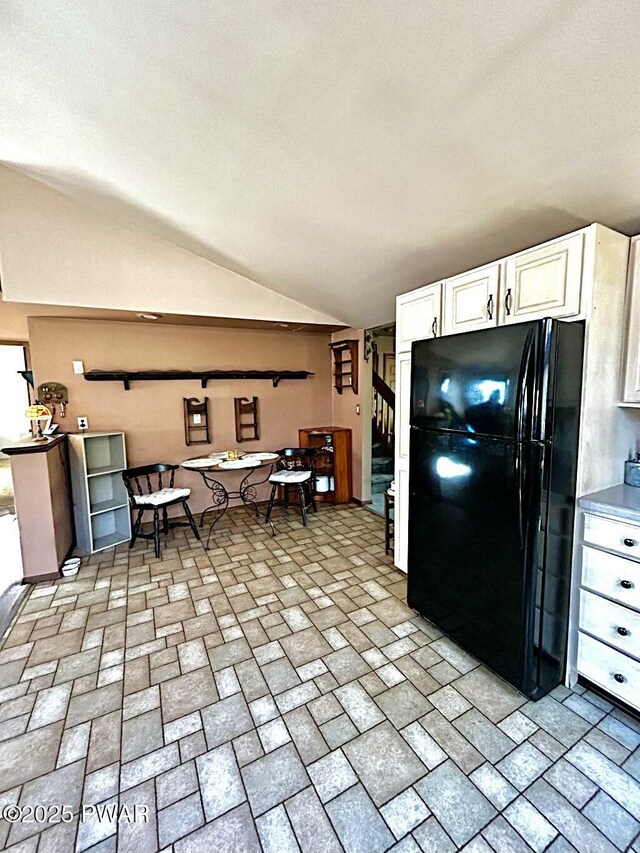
(57, 251)
(150, 413)
(345, 415)
(13, 322)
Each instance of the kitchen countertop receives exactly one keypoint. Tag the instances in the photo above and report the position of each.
(618, 501)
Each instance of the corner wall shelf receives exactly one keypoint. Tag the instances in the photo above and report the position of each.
(345, 365)
(129, 376)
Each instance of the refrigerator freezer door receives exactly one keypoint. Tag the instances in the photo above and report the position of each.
(486, 382)
(474, 530)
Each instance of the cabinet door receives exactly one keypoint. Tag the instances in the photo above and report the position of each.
(403, 403)
(418, 315)
(401, 506)
(543, 282)
(631, 378)
(401, 519)
(471, 300)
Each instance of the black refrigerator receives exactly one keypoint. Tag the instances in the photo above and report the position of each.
(493, 455)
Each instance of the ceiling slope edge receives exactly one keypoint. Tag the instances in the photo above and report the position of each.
(55, 250)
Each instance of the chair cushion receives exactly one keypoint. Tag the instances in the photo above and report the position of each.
(164, 496)
(286, 477)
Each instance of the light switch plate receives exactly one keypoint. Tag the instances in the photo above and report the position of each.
(78, 367)
(197, 419)
(83, 423)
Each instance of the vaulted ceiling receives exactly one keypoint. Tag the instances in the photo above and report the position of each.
(338, 152)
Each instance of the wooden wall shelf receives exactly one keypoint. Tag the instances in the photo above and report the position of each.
(204, 376)
(345, 365)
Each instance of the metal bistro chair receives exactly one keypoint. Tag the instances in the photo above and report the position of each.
(294, 468)
(148, 493)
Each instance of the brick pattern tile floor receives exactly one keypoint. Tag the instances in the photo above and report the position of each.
(277, 694)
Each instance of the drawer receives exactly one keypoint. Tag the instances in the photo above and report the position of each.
(611, 576)
(609, 669)
(616, 625)
(619, 536)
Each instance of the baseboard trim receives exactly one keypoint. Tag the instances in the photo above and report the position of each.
(49, 576)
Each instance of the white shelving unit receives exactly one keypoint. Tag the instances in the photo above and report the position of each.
(100, 500)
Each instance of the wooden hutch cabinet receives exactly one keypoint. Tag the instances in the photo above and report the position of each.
(333, 461)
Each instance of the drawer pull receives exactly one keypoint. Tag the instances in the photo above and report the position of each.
(619, 677)
(629, 542)
(626, 584)
(622, 631)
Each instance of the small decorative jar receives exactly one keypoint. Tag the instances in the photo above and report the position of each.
(632, 472)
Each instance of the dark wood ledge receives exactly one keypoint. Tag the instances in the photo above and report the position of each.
(28, 445)
(204, 376)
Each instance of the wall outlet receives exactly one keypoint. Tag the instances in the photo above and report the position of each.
(78, 367)
(83, 423)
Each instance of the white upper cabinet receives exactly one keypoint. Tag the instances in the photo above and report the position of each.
(418, 315)
(471, 300)
(543, 282)
(631, 370)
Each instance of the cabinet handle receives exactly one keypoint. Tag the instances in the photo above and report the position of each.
(629, 542)
(626, 584)
(434, 327)
(622, 631)
(619, 677)
(490, 306)
(507, 302)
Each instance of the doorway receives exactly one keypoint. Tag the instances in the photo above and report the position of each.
(14, 357)
(13, 424)
(380, 352)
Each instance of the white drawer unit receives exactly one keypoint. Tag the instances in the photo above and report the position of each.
(618, 536)
(614, 624)
(609, 606)
(612, 576)
(613, 671)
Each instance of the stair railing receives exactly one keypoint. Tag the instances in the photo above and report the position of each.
(384, 405)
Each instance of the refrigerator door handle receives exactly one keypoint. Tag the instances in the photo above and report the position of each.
(523, 416)
(528, 488)
(520, 471)
(523, 431)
